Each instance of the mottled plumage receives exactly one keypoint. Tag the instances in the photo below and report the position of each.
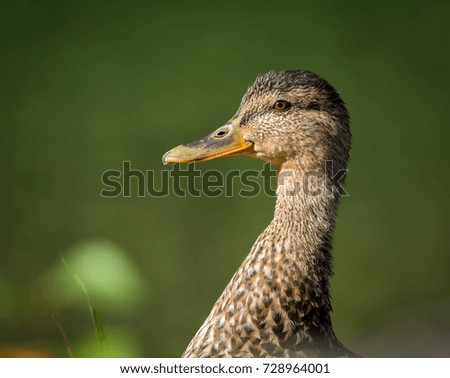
(278, 302)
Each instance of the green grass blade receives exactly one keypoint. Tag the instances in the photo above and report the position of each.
(94, 313)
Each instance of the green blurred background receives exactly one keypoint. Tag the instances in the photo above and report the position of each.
(86, 85)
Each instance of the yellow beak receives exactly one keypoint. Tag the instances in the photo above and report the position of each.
(227, 140)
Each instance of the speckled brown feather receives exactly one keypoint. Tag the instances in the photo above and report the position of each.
(278, 302)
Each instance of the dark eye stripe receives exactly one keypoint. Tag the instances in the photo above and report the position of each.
(313, 106)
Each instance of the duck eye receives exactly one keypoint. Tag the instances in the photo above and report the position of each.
(281, 105)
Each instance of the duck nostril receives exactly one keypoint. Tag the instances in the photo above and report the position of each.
(221, 133)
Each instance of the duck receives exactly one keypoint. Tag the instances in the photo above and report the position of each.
(278, 302)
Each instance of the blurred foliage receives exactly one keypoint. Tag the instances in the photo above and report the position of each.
(85, 86)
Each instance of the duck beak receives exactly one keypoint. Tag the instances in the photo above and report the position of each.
(227, 140)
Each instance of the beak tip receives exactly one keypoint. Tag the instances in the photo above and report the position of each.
(164, 158)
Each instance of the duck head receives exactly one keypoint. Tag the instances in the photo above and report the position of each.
(287, 116)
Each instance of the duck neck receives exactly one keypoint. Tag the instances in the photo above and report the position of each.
(306, 205)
